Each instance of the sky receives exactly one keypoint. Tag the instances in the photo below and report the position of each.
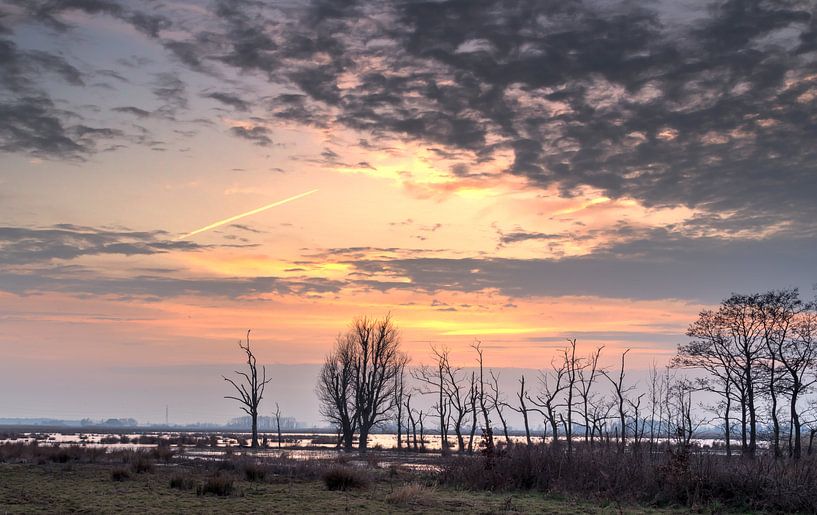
(515, 172)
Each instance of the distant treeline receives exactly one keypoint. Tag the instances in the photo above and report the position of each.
(757, 353)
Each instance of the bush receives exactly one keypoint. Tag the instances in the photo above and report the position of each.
(120, 474)
(339, 477)
(181, 482)
(217, 485)
(683, 476)
(253, 471)
(163, 452)
(141, 463)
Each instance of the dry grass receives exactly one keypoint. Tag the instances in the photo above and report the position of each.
(412, 494)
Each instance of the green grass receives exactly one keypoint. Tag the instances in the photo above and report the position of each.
(27, 488)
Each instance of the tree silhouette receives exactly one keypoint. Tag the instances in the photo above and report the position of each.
(251, 390)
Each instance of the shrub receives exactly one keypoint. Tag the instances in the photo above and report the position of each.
(120, 474)
(338, 477)
(217, 485)
(181, 482)
(141, 463)
(253, 471)
(683, 476)
(163, 452)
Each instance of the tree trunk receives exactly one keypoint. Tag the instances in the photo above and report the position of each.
(363, 440)
(254, 444)
(727, 431)
(348, 437)
(795, 421)
(750, 400)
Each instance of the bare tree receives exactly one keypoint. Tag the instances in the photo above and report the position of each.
(498, 404)
(435, 383)
(573, 367)
(399, 395)
(336, 389)
(377, 360)
(621, 392)
(458, 400)
(411, 420)
(251, 390)
(741, 318)
(358, 380)
(278, 422)
(587, 376)
(481, 397)
(552, 384)
(523, 409)
(799, 357)
(712, 350)
(473, 395)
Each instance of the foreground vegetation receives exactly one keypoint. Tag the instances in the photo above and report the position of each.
(519, 478)
(46, 480)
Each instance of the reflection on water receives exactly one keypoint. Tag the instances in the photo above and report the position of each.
(217, 440)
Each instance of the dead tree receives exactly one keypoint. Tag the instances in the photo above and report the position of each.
(481, 397)
(523, 409)
(621, 392)
(498, 405)
(473, 395)
(573, 366)
(412, 422)
(399, 395)
(251, 390)
(434, 381)
(457, 399)
(278, 422)
(587, 376)
(546, 401)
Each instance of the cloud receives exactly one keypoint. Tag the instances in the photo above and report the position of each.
(20, 246)
(34, 125)
(622, 97)
(135, 111)
(230, 100)
(517, 236)
(710, 106)
(654, 264)
(38, 260)
(82, 282)
(257, 134)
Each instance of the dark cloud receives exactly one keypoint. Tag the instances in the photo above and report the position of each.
(717, 113)
(34, 125)
(36, 260)
(230, 100)
(710, 105)
(20, 246)
(517, 236)
(135, 111)
(258, 134)
(81, 282)
(653, 265)
(172, 92)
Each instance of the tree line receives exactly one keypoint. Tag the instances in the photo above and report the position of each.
(756, 354)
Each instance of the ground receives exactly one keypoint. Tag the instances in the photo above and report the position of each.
(89, 488)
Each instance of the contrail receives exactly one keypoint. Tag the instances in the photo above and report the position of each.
(242, 215)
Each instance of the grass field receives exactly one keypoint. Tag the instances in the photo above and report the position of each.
(89, 488)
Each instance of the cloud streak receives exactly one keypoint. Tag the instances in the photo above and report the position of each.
(244, 215)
